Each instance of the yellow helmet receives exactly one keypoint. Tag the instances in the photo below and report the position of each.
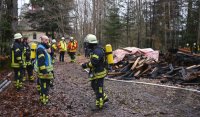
(92, 39)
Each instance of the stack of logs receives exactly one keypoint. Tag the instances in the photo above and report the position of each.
(139, 66)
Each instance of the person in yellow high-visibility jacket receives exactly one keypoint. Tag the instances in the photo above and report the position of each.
(71, 48)
(62, 49)
(53, 50)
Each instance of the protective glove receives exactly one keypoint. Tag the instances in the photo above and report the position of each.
(46, 75)
(84, 66)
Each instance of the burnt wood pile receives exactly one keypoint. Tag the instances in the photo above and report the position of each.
(177, 67)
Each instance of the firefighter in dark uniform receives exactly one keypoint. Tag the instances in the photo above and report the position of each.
(53, 50)
(16, 60)
(44, 68)
(194, 48)
(86, 49)
(97, 70)
(53, 56)
(27, 63)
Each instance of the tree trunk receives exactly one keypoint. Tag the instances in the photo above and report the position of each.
(198, 40)
(94, 17)
(153, 29)
(127, 21)
(189, 22)
(165, 45)
(14, 15)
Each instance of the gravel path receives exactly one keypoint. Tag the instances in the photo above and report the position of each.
(73, 96)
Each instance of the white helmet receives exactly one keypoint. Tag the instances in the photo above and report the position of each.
(194, 44)
(71, 38)
(92, 39)
(17, 36)
(63, 38)
(53, 41)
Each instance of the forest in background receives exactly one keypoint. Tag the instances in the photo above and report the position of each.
(158, 24)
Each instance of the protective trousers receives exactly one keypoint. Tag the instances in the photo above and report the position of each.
(52, 80)
(72, 56)
(97, 86)
(29, 69)
(18, 77)
(24, 74)
(62, 56)
(44, 86)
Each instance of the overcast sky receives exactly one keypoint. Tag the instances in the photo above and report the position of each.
(20, 4)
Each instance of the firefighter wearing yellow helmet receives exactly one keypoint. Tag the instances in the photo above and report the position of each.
(97, 69)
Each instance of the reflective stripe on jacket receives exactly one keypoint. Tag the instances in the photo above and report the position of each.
(24, 57)
(72, 46)
(97, 64)
(16, 55)
(46, 66)
(63, 46)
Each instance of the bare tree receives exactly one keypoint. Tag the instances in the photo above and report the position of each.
(198, 40)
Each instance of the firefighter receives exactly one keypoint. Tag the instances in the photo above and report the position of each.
(97, 70)
(86, 49)
(188, 46)
(62, 49)
(24, 61)
(53, 49)
(44, 68)
(71, 48)
(53, 55)
(194, 48)
(16, 60)
(27, 62)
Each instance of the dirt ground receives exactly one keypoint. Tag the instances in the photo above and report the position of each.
(73, 96)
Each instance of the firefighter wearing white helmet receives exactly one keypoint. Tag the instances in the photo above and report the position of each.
(62, 49)
(53, 56)
(97, 69)
(53, 50)
(44, 68)
(53, 41)
(72, 48)
(194, 48)
(16, 60)
(187, 46)
(71, 38)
